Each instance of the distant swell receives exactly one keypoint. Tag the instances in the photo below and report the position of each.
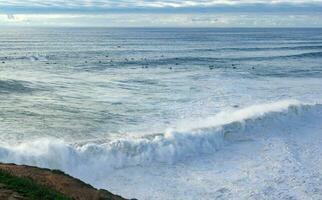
(213, 60)
(14, 86)
(308, 55)
(197, 137)
(29, 58)
(250, 49)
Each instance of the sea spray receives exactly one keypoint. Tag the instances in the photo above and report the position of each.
(92, 160)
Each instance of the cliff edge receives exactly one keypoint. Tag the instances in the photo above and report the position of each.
(27, 182)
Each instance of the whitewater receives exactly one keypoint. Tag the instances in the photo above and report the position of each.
(167, 113)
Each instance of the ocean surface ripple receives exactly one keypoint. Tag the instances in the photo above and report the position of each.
(167, 113)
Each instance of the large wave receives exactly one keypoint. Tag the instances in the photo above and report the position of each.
(189, 139)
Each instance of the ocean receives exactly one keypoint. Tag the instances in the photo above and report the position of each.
(167, 113)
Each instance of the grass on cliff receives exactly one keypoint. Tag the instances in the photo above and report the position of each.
(29, 188)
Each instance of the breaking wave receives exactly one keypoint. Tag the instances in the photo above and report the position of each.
(189, 139)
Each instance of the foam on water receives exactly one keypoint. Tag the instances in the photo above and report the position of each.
(196, 138)
(130, 101)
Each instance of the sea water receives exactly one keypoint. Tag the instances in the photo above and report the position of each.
(166, 113)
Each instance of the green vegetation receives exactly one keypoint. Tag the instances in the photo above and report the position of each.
(29, 188)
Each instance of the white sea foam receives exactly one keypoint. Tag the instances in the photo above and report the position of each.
(38, 58)
(207, 136)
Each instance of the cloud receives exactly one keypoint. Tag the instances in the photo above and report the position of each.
(144, 3)
(190, 13)
(77, 6)
(10, 17)
(167, 20)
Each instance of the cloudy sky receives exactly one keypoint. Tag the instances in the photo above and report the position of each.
(159, 13)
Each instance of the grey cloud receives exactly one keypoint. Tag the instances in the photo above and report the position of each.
(155, 5)
(10, 17)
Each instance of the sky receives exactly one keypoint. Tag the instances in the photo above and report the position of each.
(162, 13)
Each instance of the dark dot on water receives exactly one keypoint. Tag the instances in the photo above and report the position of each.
(253, 67)
(177, 63)
(234, 67)
(170, 67)
(3, 62)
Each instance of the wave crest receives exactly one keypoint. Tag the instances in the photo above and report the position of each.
(204, 136)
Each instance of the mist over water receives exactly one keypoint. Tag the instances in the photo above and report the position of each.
(119, 107)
